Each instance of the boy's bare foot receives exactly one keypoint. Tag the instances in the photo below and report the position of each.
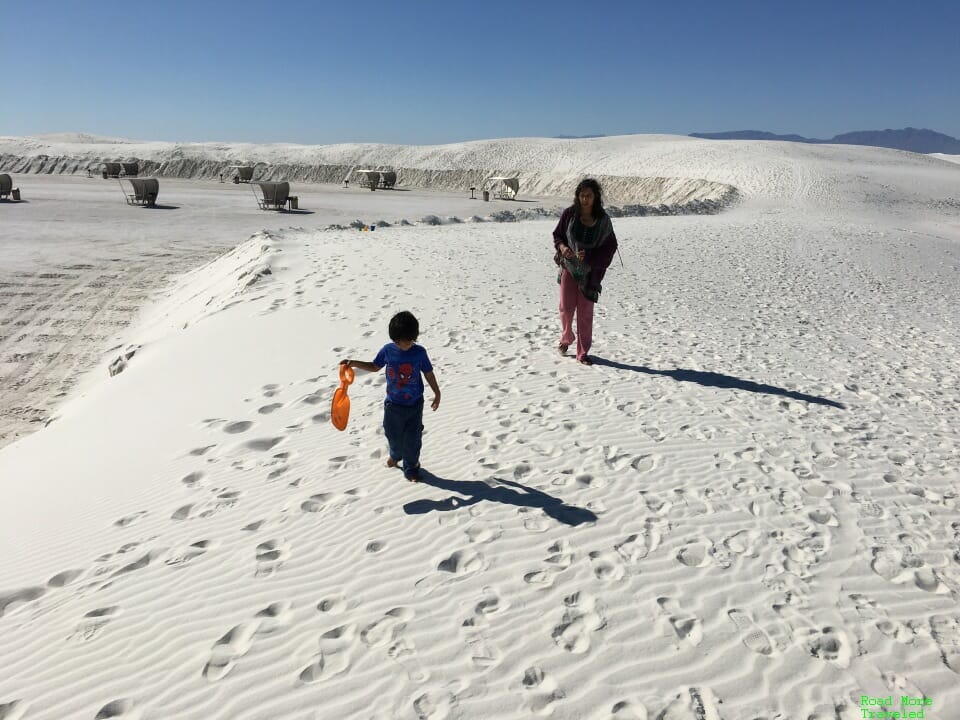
(391, 462)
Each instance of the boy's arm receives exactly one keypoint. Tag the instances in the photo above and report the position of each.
(361, 365)
(432, 380)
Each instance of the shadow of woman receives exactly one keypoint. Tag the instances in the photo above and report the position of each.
(718, 380)
(476, 491)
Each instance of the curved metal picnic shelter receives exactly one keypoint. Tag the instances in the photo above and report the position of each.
(271, 195)
(143, 191)
(505, 188)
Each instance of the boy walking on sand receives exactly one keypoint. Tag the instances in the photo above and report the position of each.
(405, 361)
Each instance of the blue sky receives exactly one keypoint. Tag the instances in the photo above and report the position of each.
(436, 72)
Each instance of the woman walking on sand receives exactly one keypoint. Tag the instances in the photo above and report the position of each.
(585, 244)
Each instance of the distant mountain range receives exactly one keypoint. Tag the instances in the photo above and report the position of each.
(911, 139)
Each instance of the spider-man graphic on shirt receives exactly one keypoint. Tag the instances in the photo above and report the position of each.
(401, 378)
(404, 371)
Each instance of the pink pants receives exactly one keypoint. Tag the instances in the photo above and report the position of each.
(572, 300)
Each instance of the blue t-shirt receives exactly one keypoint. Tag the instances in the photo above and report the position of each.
(404, 372)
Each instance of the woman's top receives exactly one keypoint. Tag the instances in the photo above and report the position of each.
(598, 242)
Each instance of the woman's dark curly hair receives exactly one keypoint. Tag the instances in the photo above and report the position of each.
(598, 211)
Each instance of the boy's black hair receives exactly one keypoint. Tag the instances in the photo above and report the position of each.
(404, 326)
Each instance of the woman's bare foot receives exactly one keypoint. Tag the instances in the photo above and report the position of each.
(391, 462)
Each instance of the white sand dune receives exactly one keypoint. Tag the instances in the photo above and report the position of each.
(746, 509)
(948, 158)
(675, 168)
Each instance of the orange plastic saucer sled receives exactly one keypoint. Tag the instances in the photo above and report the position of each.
(340, 409)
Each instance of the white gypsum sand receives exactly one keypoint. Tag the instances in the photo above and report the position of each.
(746, 508)
(78, 262)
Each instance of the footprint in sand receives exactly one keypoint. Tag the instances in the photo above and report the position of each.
(823, 516)
(696, 703)
(271, 390)
(62, 579)
(582, 617)
(193, 479)
(561, 555)
(614, 459)
(534, 520)
(94, 622)
(483, 653)
(270, 557)
(696, 554)
(316, 503)
(657, 505)
(229, 649)
(277, 472)
(654, 433)
(235, 428)
(692, 501)
(225, 498)
(184, 512)
(897, 567)
(817, 490)
(263, 444)
(179, 557)
(130, 519)
(123, 709)
(336, 649)
(380, 632)
(560, 558)
(539, 577)
(267, 409)
(687, 627)
(636, 547)
(313, 398)
(896, 630)
(490, 604)
(274, 617)
(436, 704)
(644, 463)
(197, 452)
(521, 471)
(478, 533)
(866, 607)
(542, 691)
(462, 562)
(236, 643)
(830, 644)
(138, 564)
(589, 482)
(623, 710)
(743, 543)
(945, 630)
(804, 551)
(404, 653)
(900, 685)
(607, 566)
(13, 710)
(751, 634)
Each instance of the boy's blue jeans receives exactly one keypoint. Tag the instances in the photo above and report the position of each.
(403, 426)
